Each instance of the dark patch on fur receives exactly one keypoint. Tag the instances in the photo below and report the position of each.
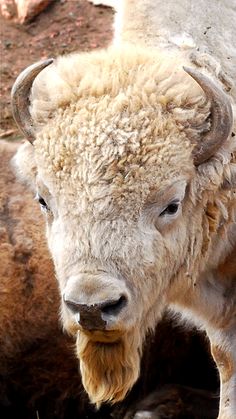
(8, 222)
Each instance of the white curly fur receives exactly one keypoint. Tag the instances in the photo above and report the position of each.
(115, 133)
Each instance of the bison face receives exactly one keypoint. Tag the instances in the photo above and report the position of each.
(114, 271)
(117, 249)
(124, 195)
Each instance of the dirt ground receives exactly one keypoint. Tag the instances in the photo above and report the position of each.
(65, 26)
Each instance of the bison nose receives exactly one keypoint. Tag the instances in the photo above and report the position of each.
(96, 316)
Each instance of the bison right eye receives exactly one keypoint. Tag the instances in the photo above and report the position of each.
(44, 206)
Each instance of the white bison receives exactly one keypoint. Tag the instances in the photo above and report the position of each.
(133, 161)
(38, 369)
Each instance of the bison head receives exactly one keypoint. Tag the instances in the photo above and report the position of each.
(126, 155)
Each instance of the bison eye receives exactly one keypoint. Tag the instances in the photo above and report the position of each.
(43, 204)
(171, 209)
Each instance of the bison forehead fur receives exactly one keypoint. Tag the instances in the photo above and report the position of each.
(116, 145)
(115, 132)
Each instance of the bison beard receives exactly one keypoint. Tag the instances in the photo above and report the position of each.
(108, 369)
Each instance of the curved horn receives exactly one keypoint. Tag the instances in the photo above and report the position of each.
(221, 118)
(20, 97)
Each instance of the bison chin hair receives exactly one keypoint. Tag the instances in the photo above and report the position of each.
(109, 369)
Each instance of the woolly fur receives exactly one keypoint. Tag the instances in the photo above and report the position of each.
(114, 129)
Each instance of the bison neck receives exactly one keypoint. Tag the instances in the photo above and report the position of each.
(182, 25)
(210, 300)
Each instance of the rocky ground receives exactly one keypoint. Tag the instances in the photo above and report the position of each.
(63, 27)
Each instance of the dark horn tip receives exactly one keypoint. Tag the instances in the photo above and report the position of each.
(20, 97)
(30, 73)
(195, 74)
(47, 62)
(221, 117)
(187, 69)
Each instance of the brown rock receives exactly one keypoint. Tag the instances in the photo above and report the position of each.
(22, 10)
(8, 8)
(108, 3)
(27, 9)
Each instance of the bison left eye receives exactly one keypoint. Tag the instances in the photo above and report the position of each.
(171, 209)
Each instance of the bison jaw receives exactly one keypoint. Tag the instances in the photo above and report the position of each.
(109, 370)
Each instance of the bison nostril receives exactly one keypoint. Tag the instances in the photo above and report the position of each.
(114, 307)
(74, 307)
(95, 316)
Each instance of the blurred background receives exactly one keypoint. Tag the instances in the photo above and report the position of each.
(32, 30)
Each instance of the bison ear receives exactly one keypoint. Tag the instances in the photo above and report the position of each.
(24, 165)
(221, 118)
(20, 98)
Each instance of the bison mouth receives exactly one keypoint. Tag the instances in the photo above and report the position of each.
(100, 336)
(109, 364)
